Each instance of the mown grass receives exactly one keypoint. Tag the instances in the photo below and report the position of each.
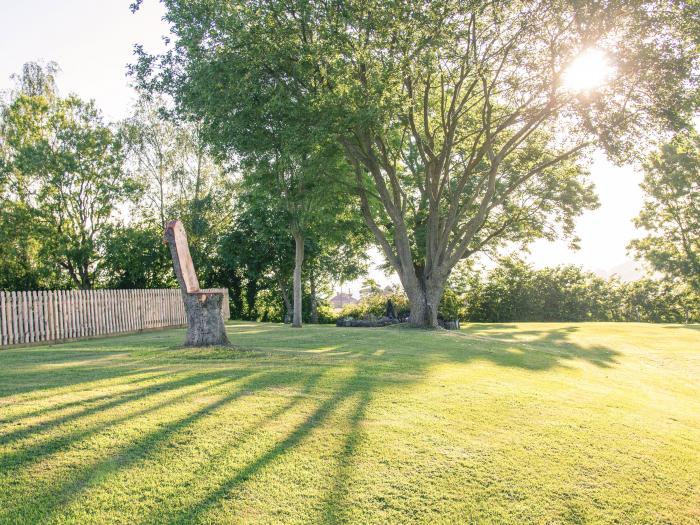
(530, 423)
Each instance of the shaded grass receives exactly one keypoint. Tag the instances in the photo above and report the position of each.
(500, 423)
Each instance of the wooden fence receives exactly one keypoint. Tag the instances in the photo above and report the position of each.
(38, 316)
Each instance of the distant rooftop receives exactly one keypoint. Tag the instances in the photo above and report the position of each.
(341, 300)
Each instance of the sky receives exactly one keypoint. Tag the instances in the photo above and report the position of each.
(92, 42)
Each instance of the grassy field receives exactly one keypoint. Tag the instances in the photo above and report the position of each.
(529, 423)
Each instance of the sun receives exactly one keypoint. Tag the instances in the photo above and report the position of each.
(588, 71)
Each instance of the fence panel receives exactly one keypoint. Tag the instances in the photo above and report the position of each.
(58, 315)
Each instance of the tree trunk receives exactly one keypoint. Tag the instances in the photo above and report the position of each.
(298, 262)
(205, 325)
(314, 303)
(424, 300)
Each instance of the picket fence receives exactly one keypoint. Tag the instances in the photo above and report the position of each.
(58, 315)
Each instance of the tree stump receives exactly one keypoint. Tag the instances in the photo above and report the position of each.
(205, 322)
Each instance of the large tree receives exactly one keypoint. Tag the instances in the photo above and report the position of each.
(458, 117)
(63, 167)
(671, 211)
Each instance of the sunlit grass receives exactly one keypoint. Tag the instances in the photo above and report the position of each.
(531, 423)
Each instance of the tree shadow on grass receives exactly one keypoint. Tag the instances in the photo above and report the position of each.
(370, 372)
(536, 349)
(56, 407)
(60, 495)
(24, 371)
(358, 385)
(23, 456)
(695, 327)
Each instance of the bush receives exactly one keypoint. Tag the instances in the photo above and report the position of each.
(375, 304)
(514, 291)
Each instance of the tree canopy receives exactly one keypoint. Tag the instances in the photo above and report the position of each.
(671, 211)
(455, 116)
(61, 174)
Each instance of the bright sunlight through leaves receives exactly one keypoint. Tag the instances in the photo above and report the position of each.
(587, 72)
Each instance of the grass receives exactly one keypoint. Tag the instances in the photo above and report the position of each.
(528, 423)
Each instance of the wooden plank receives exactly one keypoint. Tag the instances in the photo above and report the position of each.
(137, 308)
(161, 301)
(72, 308)
(120, 306)
(93, 311)
(19, 312)
(7, 321)
(81, 313)
(15, 324)
(120, 298)
(76, 316)
(168, 313)
(86, 312)
(132, 309)
(114, 311)
(89, 304)
(31, 319)
(127, 307)
(38, 316)
(142, 309)
(62, 314)
(105, 313)
(3, 315)
(57, 315)
(3, 320)
(39, 309)
(65, 304)
(11, 317)
(117, 311)
(99, 303)
(48, 294)
(108, 313)
(147, 308)
(44, 314)
(101, 316)
(23, 316)
(115, 305)
(127, 310)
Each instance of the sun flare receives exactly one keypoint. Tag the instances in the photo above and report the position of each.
(587, 72)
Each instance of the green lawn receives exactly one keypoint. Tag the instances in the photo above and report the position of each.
(528, 423)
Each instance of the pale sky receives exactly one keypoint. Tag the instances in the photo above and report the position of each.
(92, 41)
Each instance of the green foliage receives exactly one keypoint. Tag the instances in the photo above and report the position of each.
(375, 304)
(135, 257)
(181, 179)
(62, 179)
(671, 211)
(514, 291)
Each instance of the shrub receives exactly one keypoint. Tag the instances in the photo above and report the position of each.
(375, 304)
